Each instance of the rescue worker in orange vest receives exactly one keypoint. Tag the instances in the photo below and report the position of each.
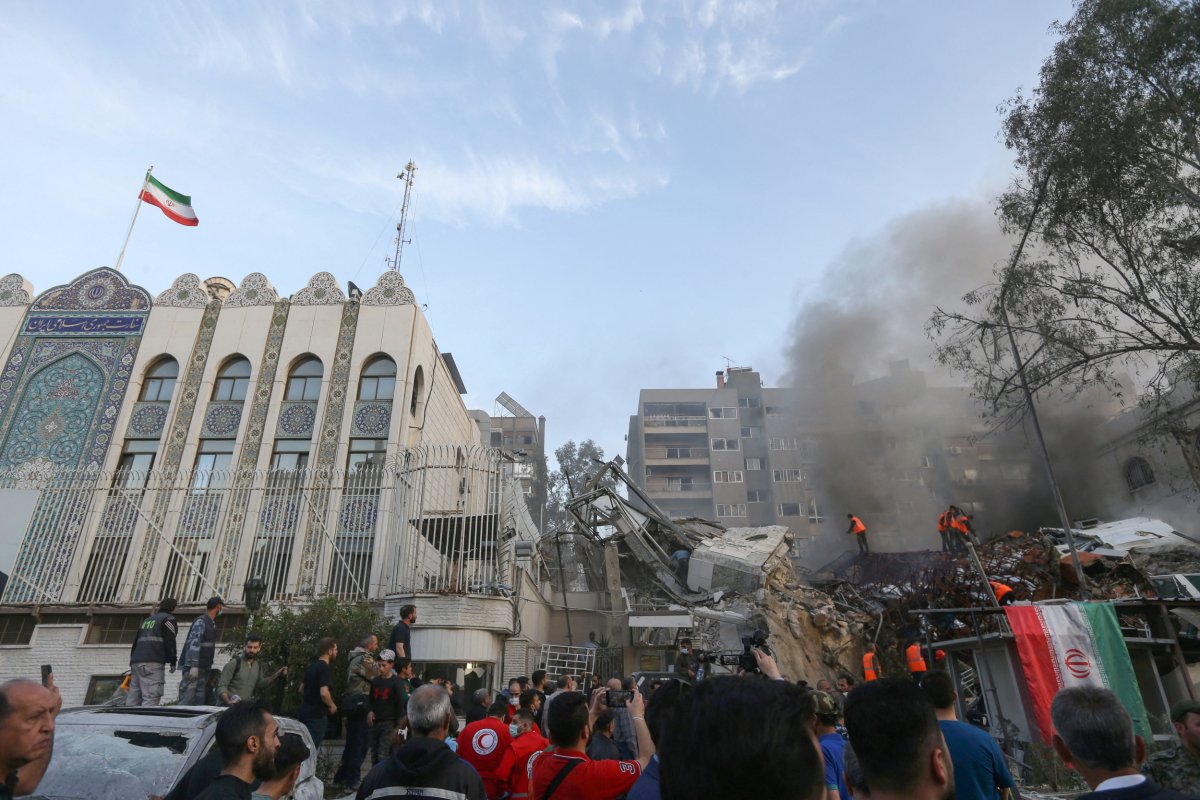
(1003, 592)
(960, 524)
(943, 529)
(871, 670)
(860, 532)
(916, 661)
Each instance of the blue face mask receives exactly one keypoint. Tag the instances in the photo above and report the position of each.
(513, 730)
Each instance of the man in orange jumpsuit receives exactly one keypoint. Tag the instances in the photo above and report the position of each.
(860, 532)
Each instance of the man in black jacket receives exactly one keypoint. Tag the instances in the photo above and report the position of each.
(198, 651)
(425, 762)
(153, 648)
(1094, 734)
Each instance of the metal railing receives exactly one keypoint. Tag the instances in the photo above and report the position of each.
(436, 518)
(675, 422)
(676, 452)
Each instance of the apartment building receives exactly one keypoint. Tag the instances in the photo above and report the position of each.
(728, 453)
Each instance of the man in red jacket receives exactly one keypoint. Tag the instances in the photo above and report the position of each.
(483, 744)
(513, 770)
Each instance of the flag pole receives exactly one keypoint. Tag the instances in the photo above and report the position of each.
(136, 209)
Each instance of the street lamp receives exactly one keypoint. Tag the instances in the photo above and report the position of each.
(254, 589)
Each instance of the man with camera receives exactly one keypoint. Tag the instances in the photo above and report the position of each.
(566, 772)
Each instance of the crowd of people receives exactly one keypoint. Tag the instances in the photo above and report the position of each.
(547, 737)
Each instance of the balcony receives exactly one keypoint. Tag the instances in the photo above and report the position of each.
(684, 424)
(670, 488)
(676, 455)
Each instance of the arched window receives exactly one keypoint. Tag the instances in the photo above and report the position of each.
(304, 382)
(418, 391)
(233, 380)
(1138, 473)
(378, 381)
(160, 380)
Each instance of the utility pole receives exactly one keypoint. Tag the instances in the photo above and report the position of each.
(407, 175)
(1063, 517)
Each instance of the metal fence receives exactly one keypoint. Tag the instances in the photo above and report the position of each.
(429, 520)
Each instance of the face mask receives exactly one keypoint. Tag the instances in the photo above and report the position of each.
(513, 730)
(683, 650)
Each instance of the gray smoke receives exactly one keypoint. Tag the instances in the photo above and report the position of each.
(866, 317)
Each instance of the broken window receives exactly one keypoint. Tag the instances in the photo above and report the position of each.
(749, 402)
(751, 432)
(756, 496)
(789, 509)
(1138, 473)
(723, 412)
(726, 444)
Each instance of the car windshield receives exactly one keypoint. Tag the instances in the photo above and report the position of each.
(110, 763)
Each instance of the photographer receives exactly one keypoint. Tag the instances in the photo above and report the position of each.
(685, 667)
(566, 772)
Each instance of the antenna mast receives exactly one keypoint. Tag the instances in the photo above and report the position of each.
(407, 175)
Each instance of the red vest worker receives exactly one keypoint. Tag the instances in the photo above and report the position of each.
(513, 772)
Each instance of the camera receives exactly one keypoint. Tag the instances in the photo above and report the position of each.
(746, 659)
(617, 698)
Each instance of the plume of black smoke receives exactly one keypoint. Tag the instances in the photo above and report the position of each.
(868, 313)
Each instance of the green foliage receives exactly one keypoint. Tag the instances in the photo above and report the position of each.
(576, 466)
(1108, 152)
(290, 636)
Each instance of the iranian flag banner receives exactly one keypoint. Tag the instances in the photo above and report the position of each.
(175, 205)
(1074, 644)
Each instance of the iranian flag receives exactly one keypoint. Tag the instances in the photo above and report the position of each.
(1074, 644)
(175, 205)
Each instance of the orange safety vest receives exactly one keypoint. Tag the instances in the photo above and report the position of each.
(959, 523)
(856, 525)
(870, 666)
(1000, 589)
(916, 661)
(944, 522)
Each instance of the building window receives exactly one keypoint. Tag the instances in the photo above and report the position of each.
(1138, 473)
(133, 468)
(673, 410)
(788, 475)
(16, 628)
(727, 476)
(776, 411)
(726, 444)
(160, 381)
(756, 496)
(679, 484)
(749, 402)
(731, 509)
(679, 452)
(789, 509)
(418, 392)
(304, 382)
(752, 432)
(496, 437)
(289, 455)
(366, 454)
(113, 628)
(814, 515)
(233, 380)
(722, 412)
(212, 465)
(776, 443)
(753, 464)
(378, 380)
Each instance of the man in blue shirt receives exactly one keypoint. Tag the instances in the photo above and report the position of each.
(832, 746)
(979, 769)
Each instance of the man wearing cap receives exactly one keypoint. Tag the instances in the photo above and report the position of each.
(1178, 767)
(198, 651)
(832, 745)
(388, 702)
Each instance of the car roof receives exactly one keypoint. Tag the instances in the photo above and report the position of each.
(170, 717)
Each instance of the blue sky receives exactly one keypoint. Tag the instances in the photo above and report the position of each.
(609, 196)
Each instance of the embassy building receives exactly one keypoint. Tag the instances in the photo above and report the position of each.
(217, 437)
